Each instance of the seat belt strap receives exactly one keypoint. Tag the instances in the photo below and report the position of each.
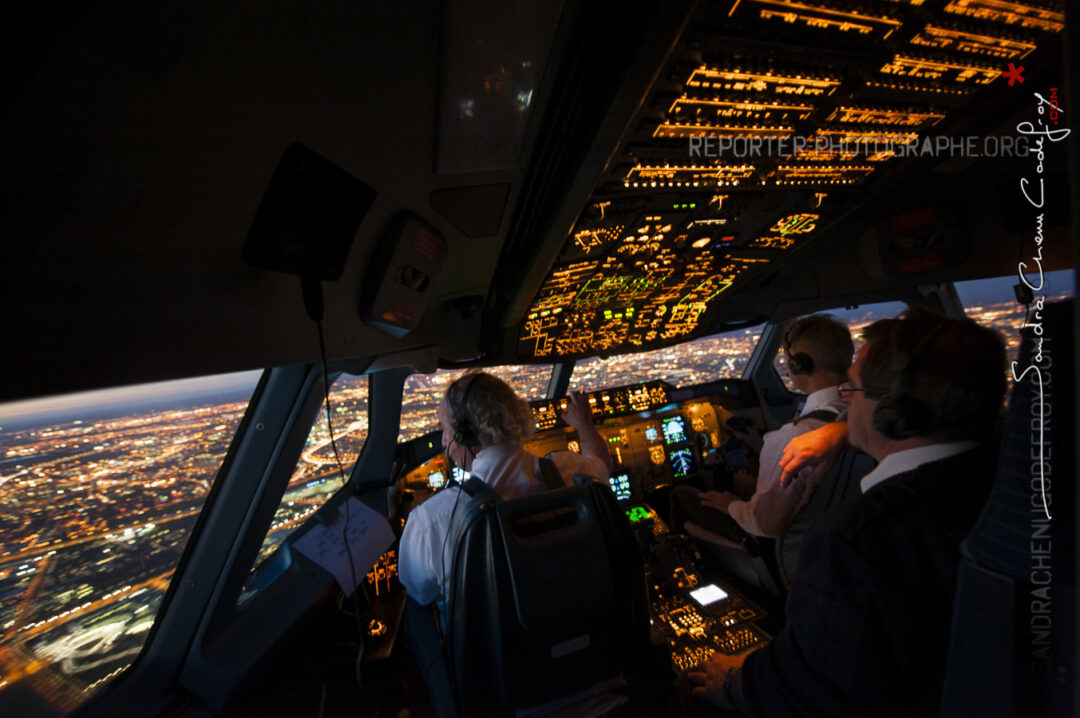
(552, 478)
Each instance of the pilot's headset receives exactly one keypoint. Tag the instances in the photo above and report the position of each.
(901, 415)
(462, 430)
(799, 363)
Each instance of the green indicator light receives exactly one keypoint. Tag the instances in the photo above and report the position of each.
(693, 205)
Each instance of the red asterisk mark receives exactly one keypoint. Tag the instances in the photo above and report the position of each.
(1015, 74)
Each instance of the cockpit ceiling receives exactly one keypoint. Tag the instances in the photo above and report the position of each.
(771, 120)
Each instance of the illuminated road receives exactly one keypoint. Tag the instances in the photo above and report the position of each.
(161, 582)
(55, 546)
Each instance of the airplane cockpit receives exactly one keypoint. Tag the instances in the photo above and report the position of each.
(248, 249)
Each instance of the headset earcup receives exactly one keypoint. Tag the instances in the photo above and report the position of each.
(901, 417)
(888, 421)
(464, 433)
(800, 364)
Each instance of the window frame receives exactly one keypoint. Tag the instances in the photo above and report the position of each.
(193, 645)
(157, 650)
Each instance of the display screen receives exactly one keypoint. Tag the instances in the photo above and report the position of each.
(460, 475)
(638, 513)
(436, 480)
(708, 594)
(682, 462)
(674, 430)
(652, 434)
(620, 484)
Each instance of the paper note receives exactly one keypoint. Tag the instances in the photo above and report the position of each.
(369, 536)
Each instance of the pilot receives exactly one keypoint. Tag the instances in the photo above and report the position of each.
(818, 350)
(483, 425)
(869, 613)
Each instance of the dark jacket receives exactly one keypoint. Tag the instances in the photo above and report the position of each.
(869, 613)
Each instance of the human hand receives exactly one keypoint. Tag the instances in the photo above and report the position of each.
(819, 449)
(719, 500)
(578, 414)
(708, 683)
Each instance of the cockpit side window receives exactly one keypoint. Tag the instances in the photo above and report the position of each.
(318, 473)
(422, 393)
(721, 356)
(992, 302)
(99, 492)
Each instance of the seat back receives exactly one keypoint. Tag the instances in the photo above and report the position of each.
(842, 482)
(548, 598)
(1012, 636)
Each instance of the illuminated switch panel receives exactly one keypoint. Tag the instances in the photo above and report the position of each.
(1009, 13)
(689, 658)
(670, 129)
(940, 38)
(812, 153)
(717, 108)
(819, 174)
(892, 118)
(767, 82)
(644, 291)
(810, 15)
(781, 243)
(909, 67)
(796, 224)
(606, 404)
(737, 640)
(686, 175)
(588, 241)
(866, 139)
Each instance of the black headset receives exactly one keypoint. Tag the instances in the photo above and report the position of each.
(899, 415)
(462, 431)
(800, 363)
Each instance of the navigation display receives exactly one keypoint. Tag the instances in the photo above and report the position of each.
(682, 462)
(674, 430)
(436, 480)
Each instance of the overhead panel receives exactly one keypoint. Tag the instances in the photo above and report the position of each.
(770, 120)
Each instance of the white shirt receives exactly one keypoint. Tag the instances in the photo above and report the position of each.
(770, 509)
(426, 553)
(900, 462)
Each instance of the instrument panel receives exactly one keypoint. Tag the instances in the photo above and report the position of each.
(656, 434)
(694, 617)
(651, 448)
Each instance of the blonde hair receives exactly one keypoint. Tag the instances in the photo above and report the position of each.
(486, 406)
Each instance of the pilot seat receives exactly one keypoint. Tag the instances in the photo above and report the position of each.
(547, 613)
